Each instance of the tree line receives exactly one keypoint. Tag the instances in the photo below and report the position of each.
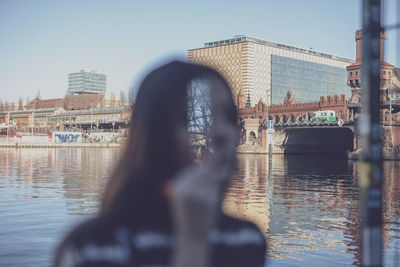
(6, 105)
(21, 104)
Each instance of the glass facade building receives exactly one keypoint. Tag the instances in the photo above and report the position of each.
(86, 82)
(307, 81)
(263, 70)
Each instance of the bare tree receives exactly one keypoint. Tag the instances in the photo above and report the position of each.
(122, 98)
(103, 102)
(199, 114)
(1, 105)
(112, 100)
(28, 100)
(20, 104)
(131, 95)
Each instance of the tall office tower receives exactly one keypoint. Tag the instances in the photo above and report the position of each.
(259, 69)
(86, 82)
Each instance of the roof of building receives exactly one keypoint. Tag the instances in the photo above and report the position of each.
(359, 64)
(87, 71)
(46, 103)
(29, 111)
(106, 110)
(82, 101)
(244, 38)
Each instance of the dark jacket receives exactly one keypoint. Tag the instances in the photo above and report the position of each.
(105, 241)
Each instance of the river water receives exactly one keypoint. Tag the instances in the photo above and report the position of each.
(307, 206)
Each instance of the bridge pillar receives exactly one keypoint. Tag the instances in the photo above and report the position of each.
(256, 141)
(251, 126)
(396, 136)
(390, 138)
(355, 137)
(264, 140)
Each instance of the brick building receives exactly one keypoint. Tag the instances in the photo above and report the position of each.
(289, 110)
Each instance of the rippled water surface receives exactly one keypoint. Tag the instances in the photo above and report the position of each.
(307, 206)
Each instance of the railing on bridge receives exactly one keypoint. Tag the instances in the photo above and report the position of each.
(313, 123)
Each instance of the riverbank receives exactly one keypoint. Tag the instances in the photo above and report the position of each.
(386, 155)
(57, 145)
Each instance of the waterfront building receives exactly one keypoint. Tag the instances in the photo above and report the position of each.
(78, 102)
(47, 119)
(38, 103)
(86, 82)
(354, 74)
(267, 71)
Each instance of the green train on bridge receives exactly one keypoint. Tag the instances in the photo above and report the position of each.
(324, 115)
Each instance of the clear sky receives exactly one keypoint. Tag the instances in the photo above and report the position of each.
(42, 41)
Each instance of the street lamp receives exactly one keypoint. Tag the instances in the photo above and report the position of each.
(91, 117)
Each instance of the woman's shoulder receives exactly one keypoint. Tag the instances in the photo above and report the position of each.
(240, 231)
(95, 240)
(241, 240)
(89, 231)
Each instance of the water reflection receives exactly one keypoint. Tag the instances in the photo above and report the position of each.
(307, 206)
(77, 175)
(43, 193)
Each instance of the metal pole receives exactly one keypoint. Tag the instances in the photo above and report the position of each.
(91, 117)
(398, 33)
(33, 121)
(370, 171)
(8, 124)
(270, 148)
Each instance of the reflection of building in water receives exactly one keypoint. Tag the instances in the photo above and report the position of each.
(248, 195)
(391, 204)
(76, 174)
(26, 168)
(86, 172)
(311, 200)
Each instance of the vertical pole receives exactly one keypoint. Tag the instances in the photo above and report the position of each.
(267, 133)
(8, 124)
(398, 33)
(91, 117)
(33, 121)
(370, 176)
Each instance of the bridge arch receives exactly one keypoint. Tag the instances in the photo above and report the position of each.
(277, 119)
(284, 118)
(314, 140)
(292, 118)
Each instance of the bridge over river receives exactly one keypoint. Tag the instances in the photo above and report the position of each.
(308, 137)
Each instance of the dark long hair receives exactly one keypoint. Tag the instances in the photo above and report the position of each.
(151, 154)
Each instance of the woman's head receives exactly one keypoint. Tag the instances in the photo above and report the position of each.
(158, 143)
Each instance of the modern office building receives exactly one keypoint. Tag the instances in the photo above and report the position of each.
(86, 82)
(260, 69)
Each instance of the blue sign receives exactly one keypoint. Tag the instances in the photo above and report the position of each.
(67, 137)
(270, 124)
(70, 138)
